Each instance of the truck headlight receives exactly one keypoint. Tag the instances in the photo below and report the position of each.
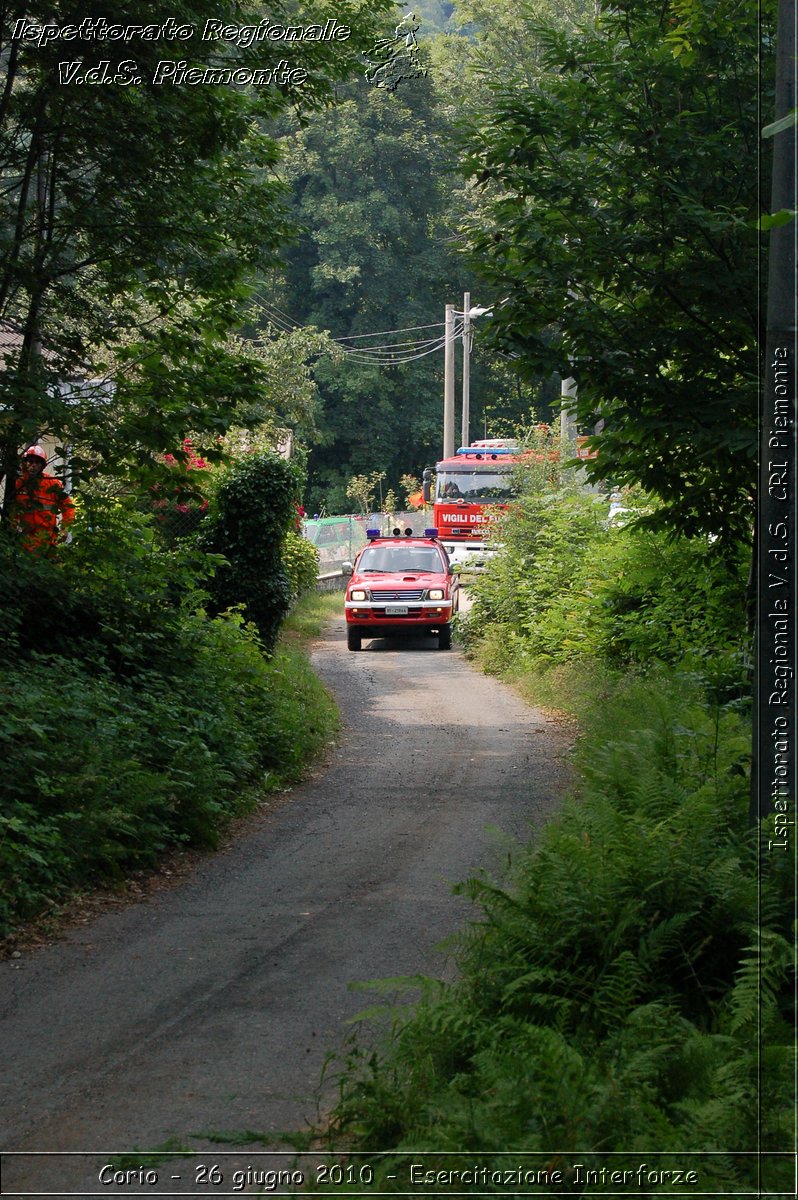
(357, 594)
(435, 594)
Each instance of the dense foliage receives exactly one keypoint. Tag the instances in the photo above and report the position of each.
(132, 215)
(300, 560)
(369, 192)
(254, 508)
(573, 585)
(130, 721)
(630, 985)
(376, 194)
(619, 222)
(599, 163)
(614, 993)
(603, 179)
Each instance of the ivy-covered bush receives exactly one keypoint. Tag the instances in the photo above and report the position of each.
(253, 511)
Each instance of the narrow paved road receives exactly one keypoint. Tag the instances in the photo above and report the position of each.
(212, 1006)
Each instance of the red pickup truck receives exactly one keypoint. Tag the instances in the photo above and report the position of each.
(400, 584)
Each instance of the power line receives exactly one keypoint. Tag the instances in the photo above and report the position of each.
(282, 314)
(280, 321)
(385, 354)
(388, 354)
(393, 349)
(387, 347)
(282, 317)
(409, 329)
(393, 362)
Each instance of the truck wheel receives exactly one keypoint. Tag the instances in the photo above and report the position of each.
(353, 637)
(445, 637)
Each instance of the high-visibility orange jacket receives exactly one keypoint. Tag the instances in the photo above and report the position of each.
(41, 503)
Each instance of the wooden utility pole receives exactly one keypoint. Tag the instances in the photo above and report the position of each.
(465, 436)
(448, 384)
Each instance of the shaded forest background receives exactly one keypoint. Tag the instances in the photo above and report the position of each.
(270, 259)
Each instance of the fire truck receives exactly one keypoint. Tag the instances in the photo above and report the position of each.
(472, 489)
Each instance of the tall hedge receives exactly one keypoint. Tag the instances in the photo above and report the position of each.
(255, 507)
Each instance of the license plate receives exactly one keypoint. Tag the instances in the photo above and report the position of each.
(396, 610)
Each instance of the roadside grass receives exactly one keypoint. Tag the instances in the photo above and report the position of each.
(113, 775)
(297, 1140)
(309, 616)
(305, 713)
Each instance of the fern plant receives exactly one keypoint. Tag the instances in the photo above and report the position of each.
(615, 992)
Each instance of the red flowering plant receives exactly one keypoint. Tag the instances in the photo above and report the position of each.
(179, 510)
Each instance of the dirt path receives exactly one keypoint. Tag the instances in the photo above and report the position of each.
(211, 1007)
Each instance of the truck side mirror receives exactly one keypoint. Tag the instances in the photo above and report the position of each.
(347, 568)
(426, 484)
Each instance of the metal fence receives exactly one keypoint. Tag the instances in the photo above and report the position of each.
(175, 521)
(338, 539)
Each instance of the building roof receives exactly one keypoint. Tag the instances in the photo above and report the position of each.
(10, 342)
(11, 339)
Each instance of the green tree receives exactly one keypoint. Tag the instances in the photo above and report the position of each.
(370, 195)
(373, 180)
(620, 200)
(131, 215)
(362, 489)
(290, 399)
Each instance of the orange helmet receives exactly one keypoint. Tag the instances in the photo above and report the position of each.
(36, 451)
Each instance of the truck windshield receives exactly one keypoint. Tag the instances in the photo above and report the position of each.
(400, 558)
(474, 487)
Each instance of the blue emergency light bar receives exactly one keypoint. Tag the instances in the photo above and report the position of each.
(377, 533)
(487, 451)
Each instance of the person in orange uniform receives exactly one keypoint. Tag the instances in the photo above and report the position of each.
(42, 506)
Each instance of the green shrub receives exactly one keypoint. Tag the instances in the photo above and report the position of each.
(645, 598)
(566, 587)
(253, 510)
(130, 720)
(99, 774)
(301, 562)
(545, 540)
(39, 606)
(116, 594)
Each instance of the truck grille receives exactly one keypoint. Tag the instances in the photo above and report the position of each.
(391, 597)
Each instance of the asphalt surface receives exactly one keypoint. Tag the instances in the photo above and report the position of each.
(212, 1006)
